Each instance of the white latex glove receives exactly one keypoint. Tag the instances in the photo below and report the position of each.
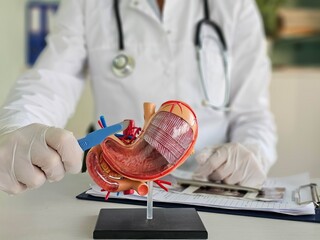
(32, 154)
(231, 163)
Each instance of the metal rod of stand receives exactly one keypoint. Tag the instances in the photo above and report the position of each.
(150, 200)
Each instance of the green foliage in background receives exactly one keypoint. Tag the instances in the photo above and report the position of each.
(303, 3)
(269, 12)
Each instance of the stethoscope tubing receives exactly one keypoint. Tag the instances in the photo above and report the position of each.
(119, 25)
(197, 41)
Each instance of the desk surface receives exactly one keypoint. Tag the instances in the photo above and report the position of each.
(53, 212)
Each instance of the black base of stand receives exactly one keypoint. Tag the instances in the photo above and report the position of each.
(167, 223)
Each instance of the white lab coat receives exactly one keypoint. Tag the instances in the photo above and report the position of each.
(166, 68)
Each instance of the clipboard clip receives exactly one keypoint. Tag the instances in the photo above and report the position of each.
(314, 194)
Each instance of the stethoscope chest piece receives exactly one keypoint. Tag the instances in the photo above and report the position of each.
(123, 65)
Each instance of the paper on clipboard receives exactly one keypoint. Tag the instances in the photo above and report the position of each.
(266, 193)
(286, 205)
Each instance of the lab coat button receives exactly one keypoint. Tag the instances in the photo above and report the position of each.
(168, 32)
(136, 3)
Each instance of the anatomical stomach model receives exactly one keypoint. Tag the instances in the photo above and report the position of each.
(165, 142)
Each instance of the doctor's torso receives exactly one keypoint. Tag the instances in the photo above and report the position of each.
(165, 61)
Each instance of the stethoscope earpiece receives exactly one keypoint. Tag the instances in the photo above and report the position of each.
(122, 65)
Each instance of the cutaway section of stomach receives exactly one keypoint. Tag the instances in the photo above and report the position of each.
(108, 179)
(161, 148)
(167, 140)
(137, 163)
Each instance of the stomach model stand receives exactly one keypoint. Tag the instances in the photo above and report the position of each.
(165, 142)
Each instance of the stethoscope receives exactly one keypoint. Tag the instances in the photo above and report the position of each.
(123, 64)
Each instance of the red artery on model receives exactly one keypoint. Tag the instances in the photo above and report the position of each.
(167, 139)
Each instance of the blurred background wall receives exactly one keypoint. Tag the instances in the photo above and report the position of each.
(293, 35)
(14, 57)
(293, 29)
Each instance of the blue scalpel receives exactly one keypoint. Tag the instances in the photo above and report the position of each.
(96, 137)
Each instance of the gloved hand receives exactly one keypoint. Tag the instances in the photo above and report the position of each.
(231, 163)
(34, 153)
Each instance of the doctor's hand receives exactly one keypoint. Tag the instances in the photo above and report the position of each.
(231, 163)
(33, 154)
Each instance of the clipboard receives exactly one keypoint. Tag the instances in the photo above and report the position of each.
(249, 213)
